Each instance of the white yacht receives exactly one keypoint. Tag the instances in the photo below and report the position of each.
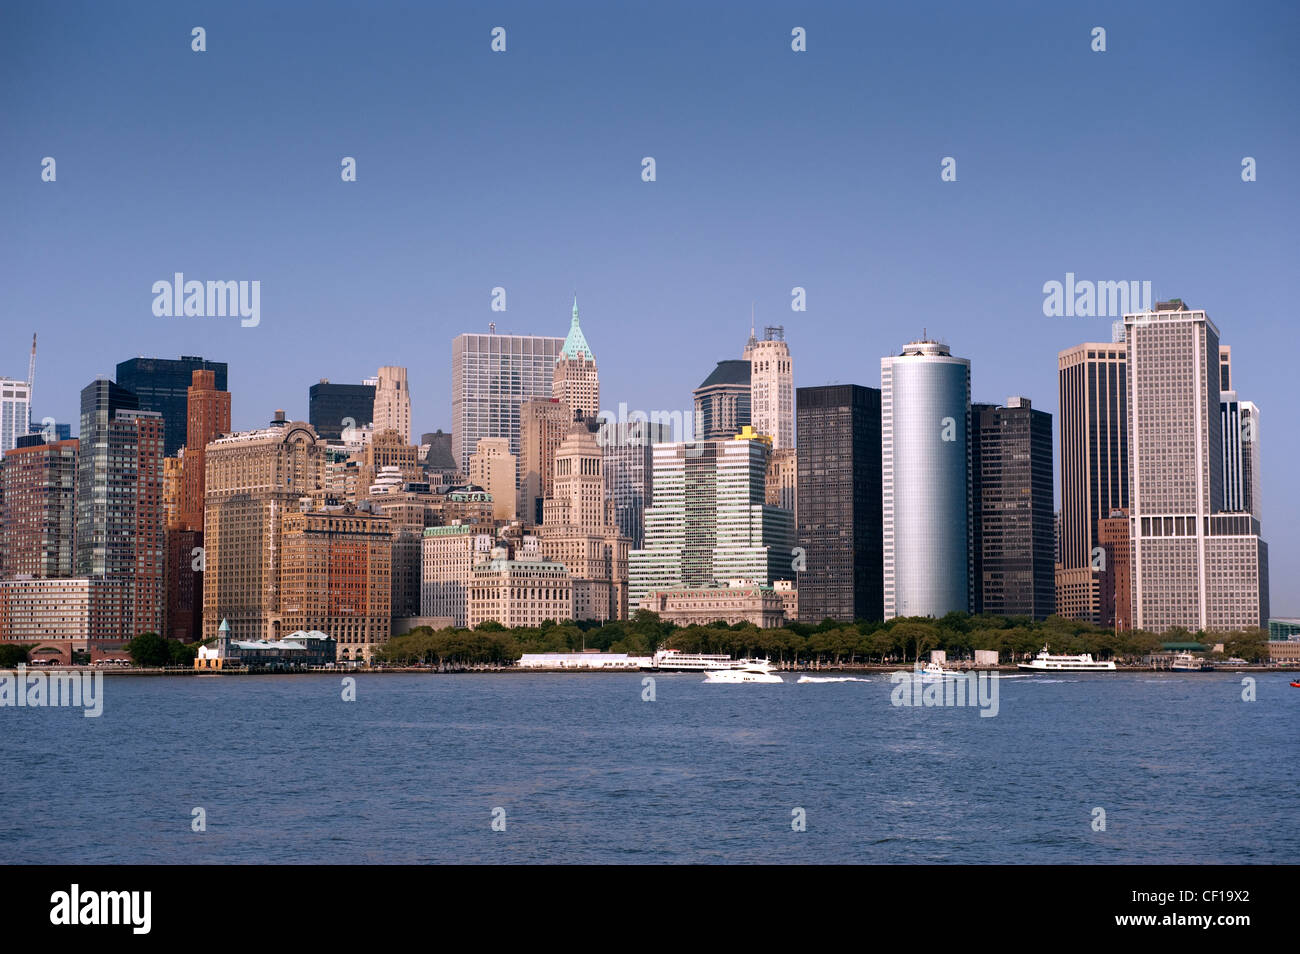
(745, 670)
(672, 660)
(1046, 662)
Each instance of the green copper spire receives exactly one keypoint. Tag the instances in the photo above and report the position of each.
(576, 343)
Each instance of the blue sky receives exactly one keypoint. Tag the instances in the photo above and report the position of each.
(522, 169)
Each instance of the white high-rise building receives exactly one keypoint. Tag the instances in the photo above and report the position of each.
(710, 522)
(392, 403)
(15, 412)
(491, 376)
(1194, 565)
(771, 386)
(925, 471)
(629, 468)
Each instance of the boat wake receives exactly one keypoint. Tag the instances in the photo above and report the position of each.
(831, 679)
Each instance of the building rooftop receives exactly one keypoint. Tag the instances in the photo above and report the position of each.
(730, 371)
(575, 345)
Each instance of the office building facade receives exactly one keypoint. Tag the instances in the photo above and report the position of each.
(1012, 515)
(38, 487)
(333, 408)
(15, 412)
(629, 467)
(839, 494)
(1093, 421)
(710, 521)
(1193, 564)
(254, 478)
(162, 385)
(491, 376)
(392, 408)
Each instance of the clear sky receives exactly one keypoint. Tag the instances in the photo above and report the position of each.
(522, 169)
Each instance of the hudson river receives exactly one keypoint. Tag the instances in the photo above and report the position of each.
(584, 770)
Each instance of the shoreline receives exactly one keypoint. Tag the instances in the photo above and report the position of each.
(875, 669)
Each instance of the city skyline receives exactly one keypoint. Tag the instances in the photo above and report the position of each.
(468, 198)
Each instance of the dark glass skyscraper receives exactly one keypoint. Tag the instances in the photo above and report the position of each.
(329, 405)
(839, 480)
(162, 385)
(1012, 518)
(1093, 424)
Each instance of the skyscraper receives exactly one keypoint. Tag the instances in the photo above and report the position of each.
(1241, 474)
(1193, 565)
(392, 410)
(771, 384)
(925, 471)
(38, 484)
(491, 376)
(253, 479)
(710, 521)
(494, 468)
(162, 385)
(1116, 575)
(1012, 517)
(335, 577)
(628, 448)
(1093, 420)
(15, 412)
(576, 383)
(578, 529)
(722, 402)
(332, 406)
(207, 417)
(543, 424)
(839, 474)
(119, 507)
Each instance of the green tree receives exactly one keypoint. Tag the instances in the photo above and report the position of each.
(182, 654)
(149, 649)
(11, 654)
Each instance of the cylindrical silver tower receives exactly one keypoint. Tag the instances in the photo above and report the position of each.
(925, 414)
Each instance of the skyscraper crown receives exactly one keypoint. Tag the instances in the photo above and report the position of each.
(575, 345)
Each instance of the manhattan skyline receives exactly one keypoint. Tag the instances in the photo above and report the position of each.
(522, 170)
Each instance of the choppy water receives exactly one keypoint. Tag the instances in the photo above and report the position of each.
(588, 772)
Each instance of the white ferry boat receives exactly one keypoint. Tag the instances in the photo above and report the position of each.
(1186, 662)
(1046, 662)
(745, 670)
(672, 660)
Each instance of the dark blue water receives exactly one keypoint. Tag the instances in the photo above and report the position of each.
(588, 772)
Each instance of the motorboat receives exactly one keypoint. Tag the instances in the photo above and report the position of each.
(745, 670)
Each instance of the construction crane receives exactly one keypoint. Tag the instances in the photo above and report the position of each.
(31, 368)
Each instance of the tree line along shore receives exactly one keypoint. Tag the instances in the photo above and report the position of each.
(828, 644)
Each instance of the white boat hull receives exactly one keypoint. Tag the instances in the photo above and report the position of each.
(737, 678)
